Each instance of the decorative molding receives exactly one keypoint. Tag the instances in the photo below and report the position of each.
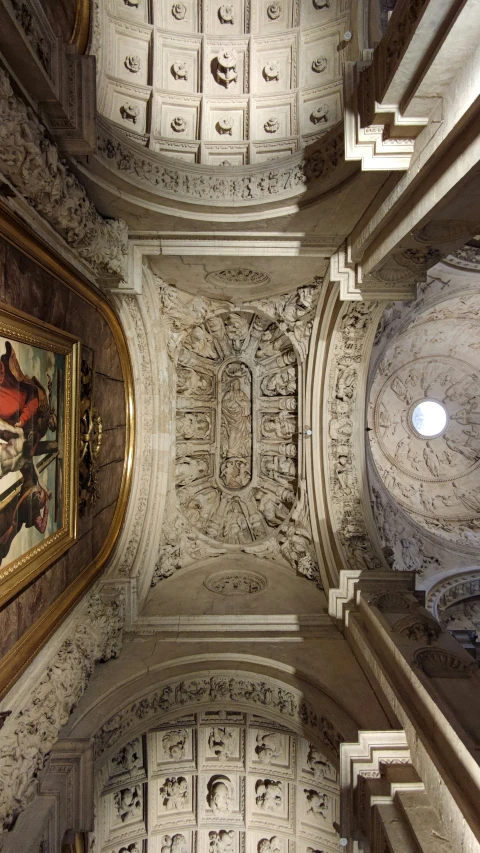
(222, 688)
(467, 258)
(440, 663)
(452, 589)
(349, 349)
(252, 184)
(377, 286)
(31, 162)
(30, 733)
(236, 583)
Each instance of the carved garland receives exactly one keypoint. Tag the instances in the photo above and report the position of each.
(31, 161)
(223, 687)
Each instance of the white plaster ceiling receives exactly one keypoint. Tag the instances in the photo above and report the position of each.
(217, 782)
(161, 76)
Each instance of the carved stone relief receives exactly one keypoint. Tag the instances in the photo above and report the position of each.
(236, 454)
(344, 478)
(237, 487)
(253, 784)
(228, 583)
(31, 161)
(226, 70)
(432, 477)
(438, 663)
(32, 732)
(252, 55)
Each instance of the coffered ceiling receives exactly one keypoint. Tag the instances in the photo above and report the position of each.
(223, 84)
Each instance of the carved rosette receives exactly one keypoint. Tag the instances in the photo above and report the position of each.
(237, 428)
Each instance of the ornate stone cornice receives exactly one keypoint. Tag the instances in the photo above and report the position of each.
(32, 164)
(30, 733)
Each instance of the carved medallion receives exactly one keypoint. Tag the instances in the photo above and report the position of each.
(319, 64)
(178, 124)
(179, 11)
(238, 275)
(237, 428)
(236, 583)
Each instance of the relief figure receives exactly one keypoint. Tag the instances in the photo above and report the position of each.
(283, 383)
(193, 426)
(236, 426)
(281, 426)
(190, 468)
(191, 383)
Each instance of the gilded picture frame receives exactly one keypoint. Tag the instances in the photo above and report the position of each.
(39, 446)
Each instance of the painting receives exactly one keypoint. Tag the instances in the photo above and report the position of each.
(39, 426)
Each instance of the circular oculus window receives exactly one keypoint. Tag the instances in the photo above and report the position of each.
(429, 418)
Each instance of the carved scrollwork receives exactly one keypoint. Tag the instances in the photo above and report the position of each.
(319, 64)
